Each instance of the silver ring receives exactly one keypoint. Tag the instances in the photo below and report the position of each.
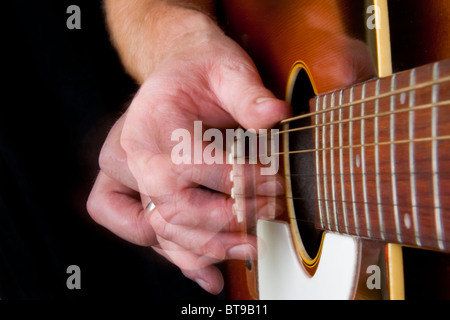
(150, 206)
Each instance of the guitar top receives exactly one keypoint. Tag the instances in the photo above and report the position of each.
(336, 38)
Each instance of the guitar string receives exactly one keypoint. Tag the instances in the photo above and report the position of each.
(361, 101)
(440, 138)
(394, 234)
(377, 97)
(389, 94)
(385, 143)
(356, 174)
(391, 235)
(243, 196)
(369, 116)
(386, 233)
(364, 174)
(366, 117)
(356, 227)
(365, 145)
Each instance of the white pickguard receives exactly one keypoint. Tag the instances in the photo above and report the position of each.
(282, 277)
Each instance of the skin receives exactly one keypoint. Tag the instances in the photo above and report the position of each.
(188, 70)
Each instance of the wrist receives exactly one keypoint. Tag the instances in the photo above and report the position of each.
(146, 32)
(193, 29)
(180, 29)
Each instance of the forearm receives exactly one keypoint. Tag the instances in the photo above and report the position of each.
(145, 32)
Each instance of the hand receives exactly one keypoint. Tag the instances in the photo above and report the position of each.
(206, 77)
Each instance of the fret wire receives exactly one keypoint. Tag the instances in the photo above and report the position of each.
(377, 163)
(385, 95)
(357, 228)
(341, 164)
(439, 138)
(371, 116)
(412, 166)
(243, 196)
(392, 158)
(333, 189)
(364, 174)
(387, 233)
(434, 157)
(363, 163)
(317, 165)
(352, 181)
(324, 164)
(392, 234)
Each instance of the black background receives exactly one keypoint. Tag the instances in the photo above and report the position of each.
(61, 92)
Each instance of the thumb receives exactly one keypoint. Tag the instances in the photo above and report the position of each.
(241, 93)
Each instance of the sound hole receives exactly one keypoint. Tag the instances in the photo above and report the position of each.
(302, 167)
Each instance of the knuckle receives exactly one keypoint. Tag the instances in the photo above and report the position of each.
(213, 249)
(95, 205)
(222, 217)
(190, 264)
(92, 206)
(126, 142)
(104, 159)
(170, 209)
(228, 65)
(107, 163)
(158, 224)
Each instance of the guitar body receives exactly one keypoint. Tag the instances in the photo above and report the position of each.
(308, 48)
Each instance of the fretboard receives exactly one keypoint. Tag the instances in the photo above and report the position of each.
(382, 158)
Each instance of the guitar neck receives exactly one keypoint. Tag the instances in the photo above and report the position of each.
(382, 152)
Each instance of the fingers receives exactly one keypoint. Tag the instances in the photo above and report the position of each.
(241, 92)
(149, 167)
(157, 175)
(209, 277)
(219, 177)
(193, 226)
(113, 158)
(202, 209)
(200, 267)
(119, 209)
(214, 245)
(171, 176)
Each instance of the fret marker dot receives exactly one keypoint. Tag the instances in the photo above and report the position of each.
(407, 220)
(358, 160)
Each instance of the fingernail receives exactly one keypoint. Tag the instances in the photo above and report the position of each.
(270, 211)
(242, 251)
(270, 188)
(202, 283)
(264, 99)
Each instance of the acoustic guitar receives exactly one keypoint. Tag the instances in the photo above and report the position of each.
(366, 155)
